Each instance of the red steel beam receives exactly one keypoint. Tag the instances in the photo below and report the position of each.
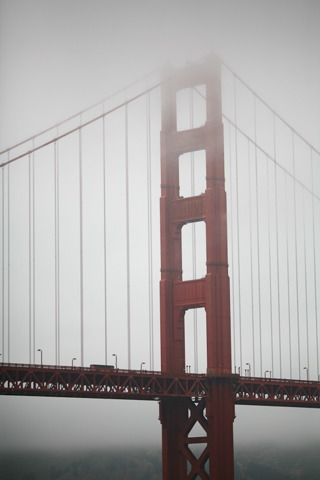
(211, 292)
(276, 392)
(98, 383)
(33, 380)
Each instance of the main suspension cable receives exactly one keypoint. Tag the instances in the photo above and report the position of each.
(79, 127)
(72, 117)
(266, 105)
(264, 152)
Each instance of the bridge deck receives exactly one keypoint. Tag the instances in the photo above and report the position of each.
(53, 381)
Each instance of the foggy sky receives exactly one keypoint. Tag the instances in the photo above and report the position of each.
(57, 58)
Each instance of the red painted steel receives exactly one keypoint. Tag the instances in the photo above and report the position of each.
(98, 383)
(34, 380)
(276, 392)
(212, 292)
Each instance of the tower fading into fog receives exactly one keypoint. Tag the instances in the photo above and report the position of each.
(215, 414)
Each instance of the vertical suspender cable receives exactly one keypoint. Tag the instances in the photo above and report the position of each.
(258, 232)
(269, 255)
(305, 276)
(81, 244)
(33, 260)
(8, 261)
(2, 255)
(314, 269)
(288, 276)
(30, 262)
(237, 209)
(150, 255)
(296, 251)
(104, 241)
(232, 253)
(127, 236)
(251, 264)
(194, 250)
(57, 253)
(277, 238)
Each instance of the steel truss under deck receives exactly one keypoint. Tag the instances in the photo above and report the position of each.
(53, 381)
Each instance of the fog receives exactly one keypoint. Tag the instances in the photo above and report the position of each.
(57, 58)
(71, 424)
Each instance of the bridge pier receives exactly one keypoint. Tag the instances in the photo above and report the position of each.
(188, 455)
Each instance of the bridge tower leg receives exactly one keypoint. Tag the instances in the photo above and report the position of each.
(215, 414)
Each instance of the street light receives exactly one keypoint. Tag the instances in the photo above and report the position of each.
(73, 361)
(306, 368)
(39, 350)
(265, 373)
(142, 363)
(249, 369)
(116, 360)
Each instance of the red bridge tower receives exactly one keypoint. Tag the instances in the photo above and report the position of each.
(216, 413)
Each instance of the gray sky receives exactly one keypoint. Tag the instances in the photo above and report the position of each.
(57, 58)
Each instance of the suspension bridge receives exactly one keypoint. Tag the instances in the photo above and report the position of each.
(84, 247)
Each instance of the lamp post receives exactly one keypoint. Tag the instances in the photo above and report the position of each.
(74, 358)
(116, 360)
(306, 368)
(39, 350)
(265, 373)
(249, 369)
(142, 363)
